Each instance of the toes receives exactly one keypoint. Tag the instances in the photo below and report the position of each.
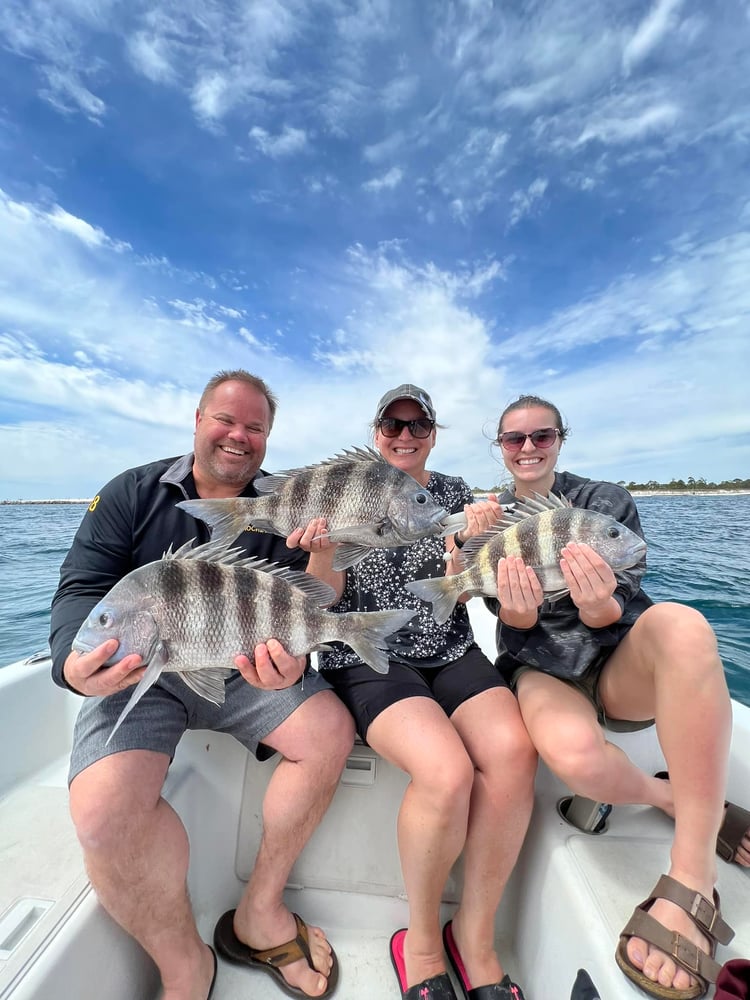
(637, 951)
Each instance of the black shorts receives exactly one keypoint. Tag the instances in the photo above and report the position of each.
(366, 693)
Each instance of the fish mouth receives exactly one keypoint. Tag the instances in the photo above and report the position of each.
(632, 556)
(451, 523)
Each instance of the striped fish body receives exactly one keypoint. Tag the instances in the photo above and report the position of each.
(194, 610)
(367, 503)
(537, 530)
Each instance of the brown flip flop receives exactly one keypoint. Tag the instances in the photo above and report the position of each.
(272, 960)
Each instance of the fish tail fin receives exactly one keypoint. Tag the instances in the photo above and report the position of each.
(226, 517)
(150, 677)
(440, 591)
(367, 632)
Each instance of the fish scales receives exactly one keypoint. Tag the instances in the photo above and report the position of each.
(366, 502)
(194, 610)
(536, 531)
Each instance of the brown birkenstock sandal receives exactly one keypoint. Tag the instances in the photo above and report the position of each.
(701, 965)
(735, 825)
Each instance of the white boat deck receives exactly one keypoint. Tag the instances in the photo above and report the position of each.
(569, 897)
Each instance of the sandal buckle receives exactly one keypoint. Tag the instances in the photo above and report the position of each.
(688, 954)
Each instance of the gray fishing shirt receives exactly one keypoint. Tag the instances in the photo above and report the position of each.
(560, 643)
(378, 582)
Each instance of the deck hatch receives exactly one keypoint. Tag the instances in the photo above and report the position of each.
(23, 915)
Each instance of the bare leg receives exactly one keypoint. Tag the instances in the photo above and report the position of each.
(136, 854)
(667, 668)
(673, 649)
(315, 741)
(493, 732)
(416, 735)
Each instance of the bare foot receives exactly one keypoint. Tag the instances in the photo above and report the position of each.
(423, 959)
(197, 980)
(742, 857)
(654, 964)
(742, 854)
(271, 930)
(477, 953)
(663, 801)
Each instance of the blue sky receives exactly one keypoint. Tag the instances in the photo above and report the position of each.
(483, 198)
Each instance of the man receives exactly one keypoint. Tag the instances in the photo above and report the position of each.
(135, 847)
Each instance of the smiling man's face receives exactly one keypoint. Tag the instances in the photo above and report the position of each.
(230, 439)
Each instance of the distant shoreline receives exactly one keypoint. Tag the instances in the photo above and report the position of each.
(690, 493)
(26, 503)
(674, 493)
(634, 493)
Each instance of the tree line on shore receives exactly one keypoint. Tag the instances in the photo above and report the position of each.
(689, 485)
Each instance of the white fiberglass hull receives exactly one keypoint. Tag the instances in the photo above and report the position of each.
(569, 897)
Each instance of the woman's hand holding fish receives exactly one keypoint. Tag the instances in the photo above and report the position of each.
(271, 668)
(519, 592)
(480, 517)
(313, 538)
(591, 583)
(86, 673)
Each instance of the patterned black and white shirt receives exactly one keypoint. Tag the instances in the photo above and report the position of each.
(377, 583)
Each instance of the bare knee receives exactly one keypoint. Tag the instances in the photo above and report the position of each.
(509, 757)
(576, 758)
(448, 782)
(318, 736)
(675, 637)
(109, 800)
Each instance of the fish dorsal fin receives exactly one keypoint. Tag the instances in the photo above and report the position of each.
(213, 551)
(315, 590)
(350, 456)
(521, 510)
(538, 503)
(472, 546)
(526, 507)
(219, 552)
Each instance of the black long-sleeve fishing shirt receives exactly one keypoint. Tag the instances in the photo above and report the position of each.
(560, 643)
(132, 521)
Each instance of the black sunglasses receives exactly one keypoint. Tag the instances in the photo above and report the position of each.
(391, 427)
(545, 437)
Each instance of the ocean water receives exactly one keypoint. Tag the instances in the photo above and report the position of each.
(699, 554)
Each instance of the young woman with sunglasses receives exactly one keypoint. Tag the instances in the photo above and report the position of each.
(444, 715)
(605, 657)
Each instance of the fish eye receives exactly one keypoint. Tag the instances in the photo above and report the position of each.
(105, 619)
(421, 498)
(613, 532)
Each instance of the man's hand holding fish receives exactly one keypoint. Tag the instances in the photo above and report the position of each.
(158, 614)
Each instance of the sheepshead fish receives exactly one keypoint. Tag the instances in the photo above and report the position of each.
(367, 503)
(536, 529)
(195, 609)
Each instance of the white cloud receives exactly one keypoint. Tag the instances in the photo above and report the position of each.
(289, 140)
(650, 32)
(82, 230)
(524, 202)
(386, 182)
(151, 57)
(631, 128)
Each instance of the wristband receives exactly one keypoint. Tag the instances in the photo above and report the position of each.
(457, 541)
